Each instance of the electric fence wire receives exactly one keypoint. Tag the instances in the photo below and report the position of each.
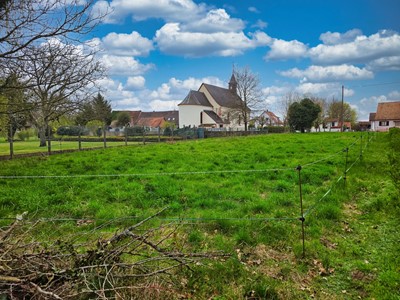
(164, 173)
(183, 219)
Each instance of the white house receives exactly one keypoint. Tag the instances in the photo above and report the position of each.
(212, 107)
(387, 116)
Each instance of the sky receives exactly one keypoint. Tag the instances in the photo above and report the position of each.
(155, 52)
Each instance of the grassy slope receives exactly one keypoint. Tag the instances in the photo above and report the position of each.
(351, 236)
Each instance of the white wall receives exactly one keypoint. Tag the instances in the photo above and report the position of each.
(189, 115)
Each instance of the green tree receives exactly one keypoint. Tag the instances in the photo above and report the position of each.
(123, 118)
(302, 115)
(98, 109)
(334, 111)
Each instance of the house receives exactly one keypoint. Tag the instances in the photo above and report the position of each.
(153, 120)
(212, 107)
(372, 121)
(387, 116)
(335, 125)
(267, 118)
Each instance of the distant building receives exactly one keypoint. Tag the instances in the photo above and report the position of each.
(153, 120)
(212, 107)
(335, 125)
(387, 116)
(267, 118)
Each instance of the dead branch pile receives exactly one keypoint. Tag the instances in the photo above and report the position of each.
(133, 263)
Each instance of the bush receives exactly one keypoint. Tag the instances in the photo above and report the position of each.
(394, 156)
(23, 135)
(72, 130)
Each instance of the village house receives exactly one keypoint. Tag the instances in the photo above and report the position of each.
(387, 116)
(154, 120)
(267, 118)
(212, 107)
(334, 125)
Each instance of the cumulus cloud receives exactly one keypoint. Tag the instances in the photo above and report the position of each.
(164, 105)
(124, 44)
(281, 50)
(327, 90)
(216, 20)
(124, 65)
(119, 96)
(391, 63)
(329, 73)
(362, 50)
(260, 24)
(172, 40)
(394, 95)
(169, 10)
(334, 38)
(135, 82)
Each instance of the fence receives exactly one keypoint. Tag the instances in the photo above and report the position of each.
(349, 156)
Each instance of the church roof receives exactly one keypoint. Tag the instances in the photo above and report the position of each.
(223, 97)
(195, 98)
(214, 116)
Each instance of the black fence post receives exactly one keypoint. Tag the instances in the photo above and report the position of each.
(302, 219)
(361, 145)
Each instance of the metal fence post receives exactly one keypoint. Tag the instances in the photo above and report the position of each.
(361, 145)
(302, 219)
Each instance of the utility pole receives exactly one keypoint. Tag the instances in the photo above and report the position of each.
(342, 111)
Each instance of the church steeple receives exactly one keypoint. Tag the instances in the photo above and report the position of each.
(233, 83)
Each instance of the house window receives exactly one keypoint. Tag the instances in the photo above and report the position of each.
(397, 123)
(383, 123)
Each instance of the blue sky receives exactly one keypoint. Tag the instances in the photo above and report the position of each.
(157, 51)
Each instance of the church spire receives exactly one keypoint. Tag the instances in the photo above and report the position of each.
(233, 83)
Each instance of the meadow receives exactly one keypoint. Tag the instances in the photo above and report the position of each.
(237, 195)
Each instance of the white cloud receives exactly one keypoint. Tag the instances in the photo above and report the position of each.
(334, 38)
(394, 95)
(254, 10)
(124, 65)
(391, 63)
(260, 24)
(363, 49)
(281, 49)
(172, 40)
(123, 44)
(169, 10)
(329, 73)
(326, 90)
(216, 20)
(164, 105)
(135, 82)
(120, 97)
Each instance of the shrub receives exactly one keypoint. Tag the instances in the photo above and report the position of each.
(72, 130)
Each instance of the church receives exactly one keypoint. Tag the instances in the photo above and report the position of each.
(212, 107)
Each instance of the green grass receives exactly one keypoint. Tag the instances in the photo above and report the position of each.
(240, 195)
(32, 146)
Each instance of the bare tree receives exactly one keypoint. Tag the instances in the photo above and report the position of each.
(247, 86)
(25, 23)
(287, 100)
(58, 78)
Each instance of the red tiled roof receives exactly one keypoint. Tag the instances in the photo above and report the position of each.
(388, 111)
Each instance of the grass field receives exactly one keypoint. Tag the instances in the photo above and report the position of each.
(239, 195)
(32, 146)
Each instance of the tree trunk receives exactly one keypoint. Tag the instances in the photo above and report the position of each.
(42, 136)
